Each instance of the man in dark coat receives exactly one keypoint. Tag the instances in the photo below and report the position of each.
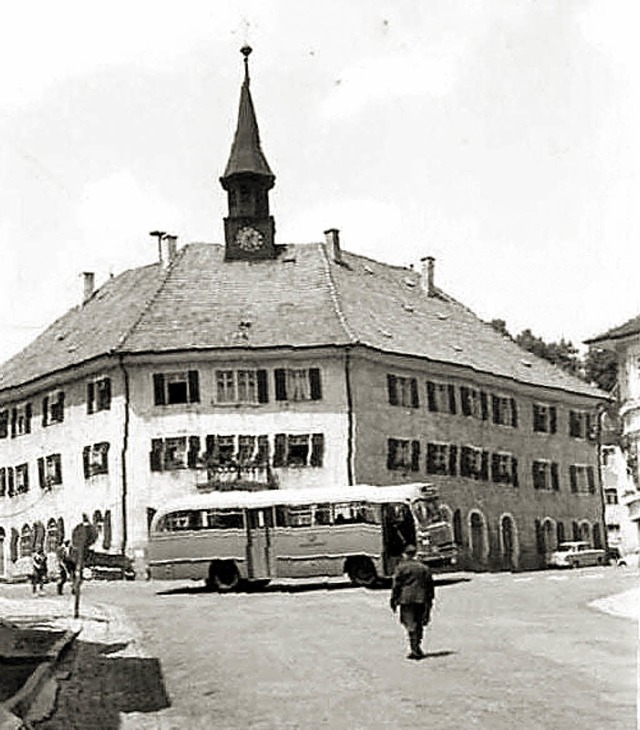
(413, 591)
(66, 565)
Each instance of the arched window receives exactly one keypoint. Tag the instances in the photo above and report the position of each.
(597, 535)
(38, 536)
(560, 532)
(106, 540)
(457, 528)
(26, 542)
(52, 536)
(477, 536)
(585, 532)
(507, 532)
(575, 529)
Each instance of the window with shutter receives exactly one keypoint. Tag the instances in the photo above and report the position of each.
(3, 481)
(91, 387)
(194, 386)
(279, 449)
(193, 453)
(415, 456)
(317, 449)
(263, 391)
(4, 424)
(315, 384)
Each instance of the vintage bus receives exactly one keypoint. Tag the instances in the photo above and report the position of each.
(233, 536)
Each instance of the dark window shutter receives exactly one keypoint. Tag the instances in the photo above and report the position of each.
(591, 427)
(41, 472)
(317, 449)
(453, 459)
(484, 405)
(45, 409)
(553, 419)
(280, 377)
(13, 547)
(263, 391)
(391, 390)
(280, 449)
(10, 482)
(591, 480)
(537, 419)
(495, 464)
(514, 472)
(415, 456)
(193, 452)
(58, 468)
(106, 530)
(14, 421)
(38, 530)
(106, 394)
(555, 483)
(464, 461)
(514, 413)
(155, 456)
(61, 406)
(91, 391)
(28, 413)
(315, 383)
(415, 399)
(4, 423)
(495, 405)
(465, 405)
(484, 471)
(3, 481)
(26, 477)
(573, 478)
(211, 455)
(431, 396)
(158, 389)
(194, 386)
(452, 398)
(392, 446)
(86, 466)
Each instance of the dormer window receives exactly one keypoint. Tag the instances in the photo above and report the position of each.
(176, 387)
(53, 408)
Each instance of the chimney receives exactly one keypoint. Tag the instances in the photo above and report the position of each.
(427, 269)
(332, 242)
(172, 247)
(89, 285)
(158, 235)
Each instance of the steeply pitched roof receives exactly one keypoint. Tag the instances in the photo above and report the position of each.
(246, 151)
(299, 299)
(632, 327)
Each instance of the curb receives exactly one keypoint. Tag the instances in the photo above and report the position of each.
(19, 704)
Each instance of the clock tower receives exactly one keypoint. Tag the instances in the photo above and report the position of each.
(249, 228)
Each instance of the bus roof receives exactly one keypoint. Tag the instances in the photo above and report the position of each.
(309, 495)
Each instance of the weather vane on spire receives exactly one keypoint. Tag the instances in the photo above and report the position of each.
(246, 52)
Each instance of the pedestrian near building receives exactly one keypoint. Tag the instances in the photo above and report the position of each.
(413, 591)
(66, 566)
(39, 570)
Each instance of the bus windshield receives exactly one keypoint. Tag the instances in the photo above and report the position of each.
(426, 512)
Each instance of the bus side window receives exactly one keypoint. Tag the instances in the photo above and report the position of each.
(224, 520)
(300, 516)
(185, 520)
(322, 514)
(282, 517)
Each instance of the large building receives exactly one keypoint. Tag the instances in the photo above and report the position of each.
(260, 363)
(621, 473)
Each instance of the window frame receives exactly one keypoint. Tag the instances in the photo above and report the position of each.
(162, 382)
(298, 385)
(99, 394)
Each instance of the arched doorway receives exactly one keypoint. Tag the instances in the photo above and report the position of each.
(478, 542)
(2, 536)
(457, 528)
(597, 535)
(548, 536)
(52, 536)
(508, 542)
(560, 532)
(26, 542)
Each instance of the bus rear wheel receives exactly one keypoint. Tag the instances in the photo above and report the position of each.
(361, 571)
(223, 576)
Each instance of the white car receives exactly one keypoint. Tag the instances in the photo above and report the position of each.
(576, 555)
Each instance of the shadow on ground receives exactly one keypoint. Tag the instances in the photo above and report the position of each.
(95, 687)
(306, 587)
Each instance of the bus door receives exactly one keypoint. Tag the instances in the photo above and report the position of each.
(259, 559)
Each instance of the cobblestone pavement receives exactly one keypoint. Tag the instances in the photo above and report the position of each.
(537, 650)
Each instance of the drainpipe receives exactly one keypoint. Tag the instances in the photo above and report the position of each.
(123, 462)
(350, 419)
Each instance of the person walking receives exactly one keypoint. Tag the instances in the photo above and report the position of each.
(66, 566)
(39, 570)
(412, 590)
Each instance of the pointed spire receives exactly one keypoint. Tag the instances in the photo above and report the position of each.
(246, 153)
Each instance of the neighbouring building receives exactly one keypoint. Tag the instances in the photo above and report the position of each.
(264, 364)
(620, 469)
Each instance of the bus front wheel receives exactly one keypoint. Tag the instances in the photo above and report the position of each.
(223, 576)
(361, 571)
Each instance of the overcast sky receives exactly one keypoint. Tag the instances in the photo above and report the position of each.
(500, 136)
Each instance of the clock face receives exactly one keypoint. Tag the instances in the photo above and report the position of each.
(248, 239)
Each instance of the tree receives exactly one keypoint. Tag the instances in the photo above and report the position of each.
(601, 368)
